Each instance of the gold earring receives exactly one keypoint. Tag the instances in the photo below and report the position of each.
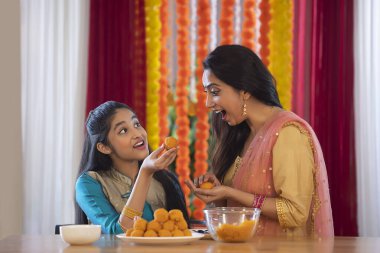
(244, 110)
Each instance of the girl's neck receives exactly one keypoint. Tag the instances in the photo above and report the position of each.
(127, 168)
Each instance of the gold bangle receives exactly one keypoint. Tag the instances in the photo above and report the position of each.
(130, 213)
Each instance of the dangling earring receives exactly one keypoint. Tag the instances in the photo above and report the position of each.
(244, 110)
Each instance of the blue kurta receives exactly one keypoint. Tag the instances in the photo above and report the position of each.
(99, 210)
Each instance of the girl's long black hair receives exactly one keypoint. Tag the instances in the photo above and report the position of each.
(242, 69)
(97, 127)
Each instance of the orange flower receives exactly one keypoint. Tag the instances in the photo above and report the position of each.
(247, 33)
(226, 22)
(183, 74)
(264, 30)
(202, 126)
(198, 214)
(163, 90)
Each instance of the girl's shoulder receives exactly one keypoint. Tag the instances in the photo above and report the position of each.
(86, 181)
(89, 176)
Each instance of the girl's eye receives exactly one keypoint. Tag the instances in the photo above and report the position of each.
(123, 131)
(137, 124)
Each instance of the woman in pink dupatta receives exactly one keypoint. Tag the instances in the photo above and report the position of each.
(263, 156)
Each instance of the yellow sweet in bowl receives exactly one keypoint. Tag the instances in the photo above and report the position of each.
(232, 224)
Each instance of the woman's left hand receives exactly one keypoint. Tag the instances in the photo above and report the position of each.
(208, 195)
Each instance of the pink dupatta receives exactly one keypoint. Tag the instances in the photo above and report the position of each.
(255, 176)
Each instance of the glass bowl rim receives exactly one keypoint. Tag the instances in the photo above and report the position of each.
(235, 210)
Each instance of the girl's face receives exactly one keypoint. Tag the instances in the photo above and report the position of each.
(223, 98)
(127, 138)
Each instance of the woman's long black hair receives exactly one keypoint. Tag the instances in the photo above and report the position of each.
(97, 128)
(242, 69)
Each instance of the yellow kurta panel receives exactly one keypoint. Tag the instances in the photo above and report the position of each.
(293, 167)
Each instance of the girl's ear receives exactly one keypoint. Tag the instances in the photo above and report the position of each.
(103, 148)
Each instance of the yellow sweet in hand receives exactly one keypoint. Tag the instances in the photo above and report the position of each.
(206, 185)
(170, 142)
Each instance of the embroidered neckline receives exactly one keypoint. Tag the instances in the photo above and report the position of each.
(237, 165)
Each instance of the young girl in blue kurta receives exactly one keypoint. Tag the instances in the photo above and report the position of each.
(118, 178)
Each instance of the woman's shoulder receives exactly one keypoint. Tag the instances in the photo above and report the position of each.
(290, 119)
(294, 127)
(293, 134)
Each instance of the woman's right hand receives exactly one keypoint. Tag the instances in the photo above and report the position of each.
(155, 161)
(208, 177)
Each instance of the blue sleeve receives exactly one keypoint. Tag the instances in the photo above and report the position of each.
(91, 199)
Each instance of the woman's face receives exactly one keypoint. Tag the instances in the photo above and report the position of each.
(223, 98)
(127, 138)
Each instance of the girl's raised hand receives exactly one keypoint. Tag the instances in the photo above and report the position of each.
(157, 161)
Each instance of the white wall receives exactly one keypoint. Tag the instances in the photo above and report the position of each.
(10, 119)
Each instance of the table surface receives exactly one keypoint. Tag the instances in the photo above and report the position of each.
(107, 243)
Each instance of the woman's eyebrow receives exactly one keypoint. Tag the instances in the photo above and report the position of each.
(209, 85)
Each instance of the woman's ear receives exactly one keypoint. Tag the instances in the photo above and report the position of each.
(103, 148)
(245, 95)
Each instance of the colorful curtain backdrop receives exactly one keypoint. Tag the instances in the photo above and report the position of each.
(301, 58)
(114, 60)
(331, 109)
(306, 44)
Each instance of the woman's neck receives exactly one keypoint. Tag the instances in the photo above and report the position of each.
(258, 114)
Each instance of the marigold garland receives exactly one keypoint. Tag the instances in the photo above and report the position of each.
(264, 31)
(249, 23)
(280, 46)
(226, 22)
(163, 100)
(214, 24)
(183, 78)
(202, 125)
(153, 47)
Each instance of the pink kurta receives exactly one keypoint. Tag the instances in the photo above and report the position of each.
(283, 174)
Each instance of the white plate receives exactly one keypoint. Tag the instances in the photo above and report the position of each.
(161, 240)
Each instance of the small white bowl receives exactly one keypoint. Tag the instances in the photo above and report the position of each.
(80, 234)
